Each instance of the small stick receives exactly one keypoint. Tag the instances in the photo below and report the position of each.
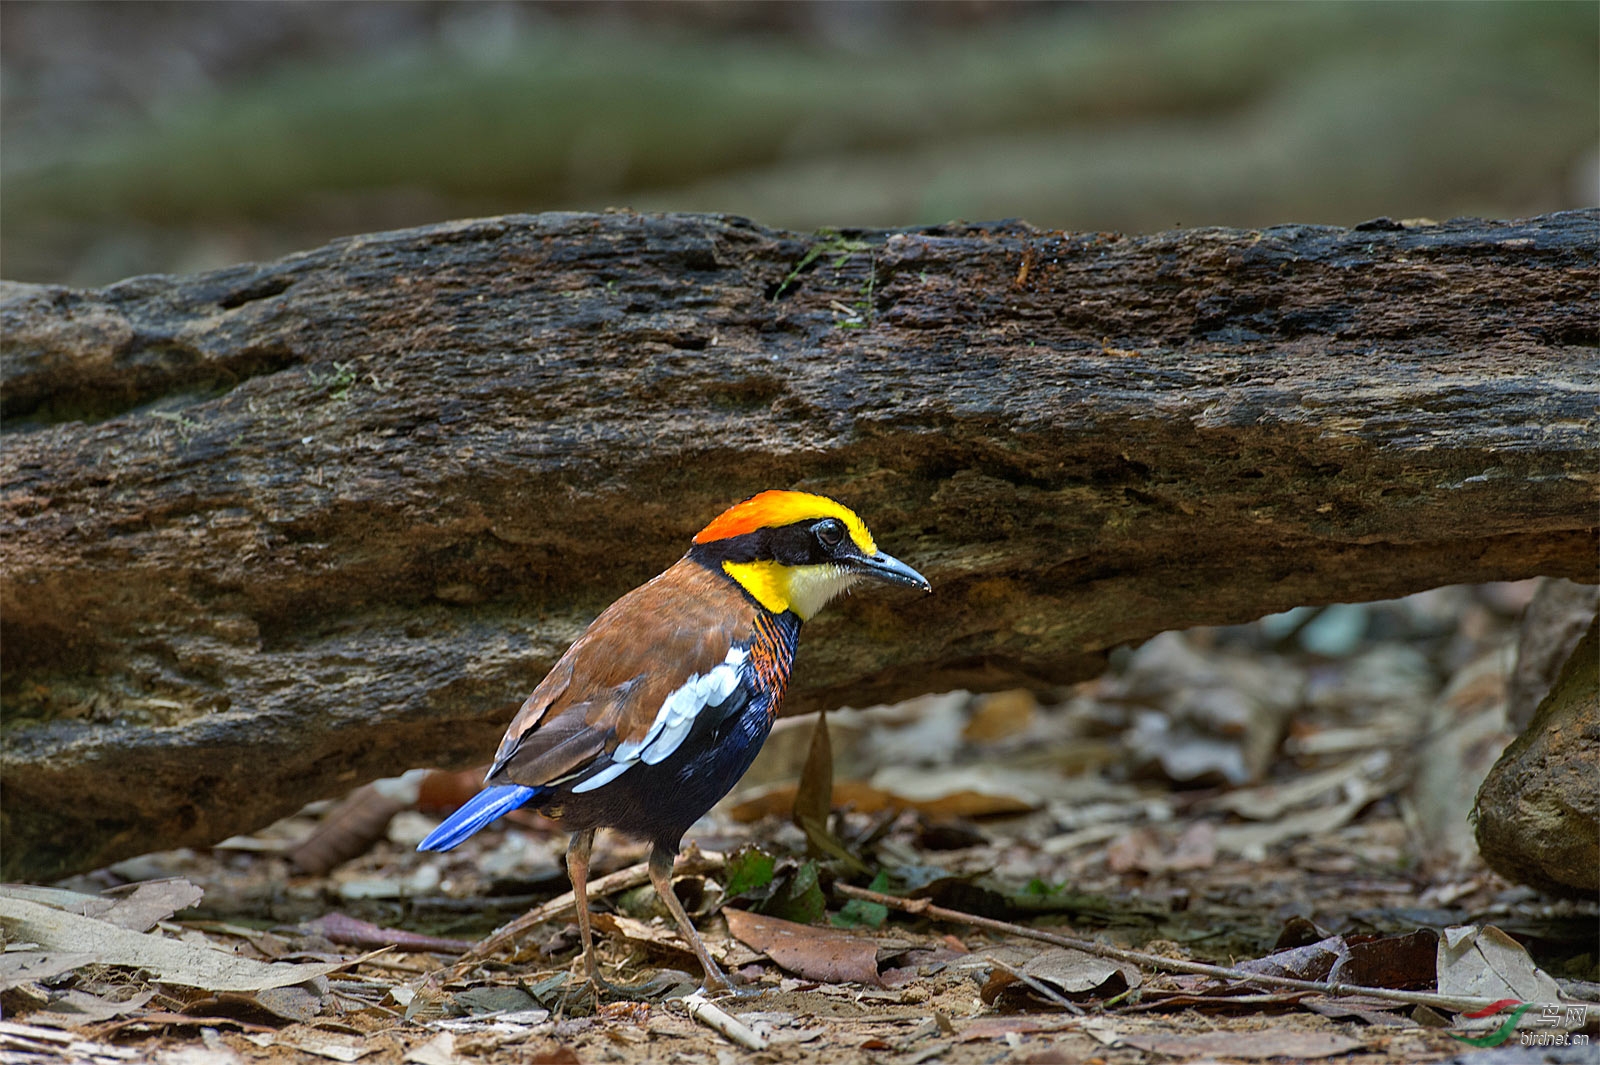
(560, 906)
(621, 880)
(723, 1023)
(924, 908)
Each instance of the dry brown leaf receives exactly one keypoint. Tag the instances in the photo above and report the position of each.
(1252, 841)
(220, 1054)
(137, 907)
(351, 828)
(1373, 1011)
(553, 1054)
(150, 903)
(1401, 961)
(32, 1039)
(1135, 849)
(18, 967)
(354, 932)
(1464, 733)
(662, 936)
(286, 1003)
(1484, 962)
(74, 1009)
(1196, 848)
(1143, 849)
(825, 954)
(999, 1027)
(1072, 973)
(324, 1044)
(60, 898)
(1271, 801)
(867, 798)
(163, 1019)
(813, 798)
(1075, 972)
(170, 960)
(1252, 1046)
(970, 790)
(440, 1050)
(1220, 714)
(999, 715)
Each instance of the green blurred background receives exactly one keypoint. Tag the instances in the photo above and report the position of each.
(142, 137)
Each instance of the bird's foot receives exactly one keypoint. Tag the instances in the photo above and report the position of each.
(594, 989)
(721, 985)
(739, 991)
(659, 986)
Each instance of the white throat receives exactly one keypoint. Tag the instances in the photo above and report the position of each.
(813, 587)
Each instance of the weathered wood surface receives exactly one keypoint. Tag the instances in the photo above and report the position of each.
(329, 518)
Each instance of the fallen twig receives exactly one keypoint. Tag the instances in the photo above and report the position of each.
(924, 908)
(723, 1023)
(621, 880)
(352, 932)
(1045, 992)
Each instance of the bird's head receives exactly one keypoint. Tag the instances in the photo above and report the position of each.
(796, 551)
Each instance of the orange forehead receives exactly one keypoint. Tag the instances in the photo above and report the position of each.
(772, 509)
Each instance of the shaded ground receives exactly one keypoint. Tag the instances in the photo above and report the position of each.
(1326, 760)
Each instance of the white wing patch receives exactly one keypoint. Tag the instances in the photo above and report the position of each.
(673, 721)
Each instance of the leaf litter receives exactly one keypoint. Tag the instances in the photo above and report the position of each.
(1232, 828)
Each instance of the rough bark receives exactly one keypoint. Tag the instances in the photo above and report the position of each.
(1538, 811)
(274, 530)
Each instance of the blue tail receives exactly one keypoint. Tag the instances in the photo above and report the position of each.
(488, 805)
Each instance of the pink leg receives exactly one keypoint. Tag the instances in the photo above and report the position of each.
(661, 876)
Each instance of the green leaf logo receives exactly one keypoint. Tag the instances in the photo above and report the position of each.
(1500, 1034)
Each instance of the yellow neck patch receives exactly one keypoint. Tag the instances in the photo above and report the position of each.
(803, 589)
(773, 509)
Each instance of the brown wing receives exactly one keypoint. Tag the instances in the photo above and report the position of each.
(611, 682)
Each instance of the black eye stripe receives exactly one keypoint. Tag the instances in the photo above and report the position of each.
(805, 543)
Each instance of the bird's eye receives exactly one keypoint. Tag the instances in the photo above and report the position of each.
(830, 532)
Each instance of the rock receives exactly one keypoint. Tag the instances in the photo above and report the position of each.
(1554, 623)
(1538, 811)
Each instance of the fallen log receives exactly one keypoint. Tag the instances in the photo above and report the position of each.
(275, 530)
